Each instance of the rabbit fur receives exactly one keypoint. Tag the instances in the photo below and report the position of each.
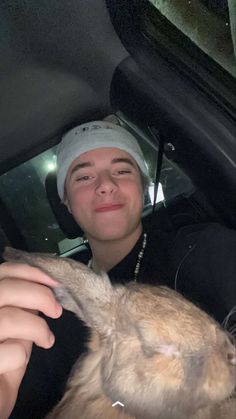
(150, 348)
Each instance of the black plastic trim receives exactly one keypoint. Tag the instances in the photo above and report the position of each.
(196, 66)
(202, 135)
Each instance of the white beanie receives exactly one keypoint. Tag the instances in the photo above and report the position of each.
(90, 136)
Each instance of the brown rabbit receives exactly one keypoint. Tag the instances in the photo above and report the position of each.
(155, 352)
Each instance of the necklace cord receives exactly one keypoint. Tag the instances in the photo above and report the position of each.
(140, 258)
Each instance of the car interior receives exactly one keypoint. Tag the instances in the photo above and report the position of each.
(165, 70)
(64, 64)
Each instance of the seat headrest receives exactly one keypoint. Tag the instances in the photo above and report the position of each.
(65, 220)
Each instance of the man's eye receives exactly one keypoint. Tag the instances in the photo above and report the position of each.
(83, 178)
(124, 171)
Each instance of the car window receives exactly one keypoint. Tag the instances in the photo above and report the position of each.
(173, 181)
(209, 24)
(23, 193)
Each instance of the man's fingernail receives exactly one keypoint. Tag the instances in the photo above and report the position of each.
(58, 308)
(51, 339)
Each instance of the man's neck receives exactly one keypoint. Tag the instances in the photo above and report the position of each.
(108, 253)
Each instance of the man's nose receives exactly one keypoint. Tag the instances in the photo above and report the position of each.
(105, 184)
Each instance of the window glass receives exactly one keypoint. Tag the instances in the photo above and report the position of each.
(210, 24)
(173, 181)
(22, 192)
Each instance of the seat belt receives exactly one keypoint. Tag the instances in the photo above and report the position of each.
(158, 139)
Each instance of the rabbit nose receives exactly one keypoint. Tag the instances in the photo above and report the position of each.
(231, 355)
(231, 350)
(232, 358)
(227, 344)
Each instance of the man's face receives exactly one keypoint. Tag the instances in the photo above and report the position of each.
(104, 193)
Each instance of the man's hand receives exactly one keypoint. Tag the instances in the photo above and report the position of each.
(24, 291)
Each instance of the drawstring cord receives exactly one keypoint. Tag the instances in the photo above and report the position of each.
(191, 248)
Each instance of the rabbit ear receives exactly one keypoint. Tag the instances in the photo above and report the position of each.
(153, 343)
(80, 290)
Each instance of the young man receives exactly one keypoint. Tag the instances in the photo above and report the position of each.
(101, 179)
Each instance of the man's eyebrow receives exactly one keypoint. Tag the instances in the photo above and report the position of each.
(123, 160)
(89, 164)
(81, 166)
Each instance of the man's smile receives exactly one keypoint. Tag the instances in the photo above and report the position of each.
(109, 207)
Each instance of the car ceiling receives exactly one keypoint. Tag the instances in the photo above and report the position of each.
(57, 62)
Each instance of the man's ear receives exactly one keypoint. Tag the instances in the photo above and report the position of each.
(66, 203)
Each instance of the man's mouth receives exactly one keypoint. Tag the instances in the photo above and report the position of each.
(109, 207)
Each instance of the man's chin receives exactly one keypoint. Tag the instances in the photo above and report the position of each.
(109, 235)
(114, 232)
